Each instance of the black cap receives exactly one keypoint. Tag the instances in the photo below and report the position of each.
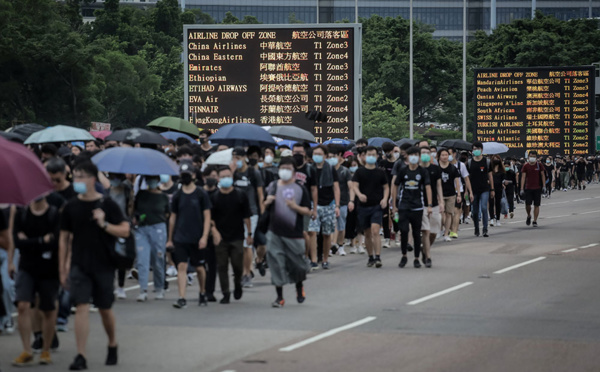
(186, 166)
(239, 151)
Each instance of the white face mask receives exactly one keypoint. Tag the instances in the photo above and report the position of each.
(285, 174)
(269, 159)
(433, 155)
(450, 158)
(532, 160)
(413, 159)
(396, 155)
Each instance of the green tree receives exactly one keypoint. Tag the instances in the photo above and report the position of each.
(384, 117)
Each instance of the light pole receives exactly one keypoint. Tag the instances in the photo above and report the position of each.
(410, 84)
(464, 79)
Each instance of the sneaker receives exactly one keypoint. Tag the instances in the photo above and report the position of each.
(160, 295)
(528, 222)
(180, 304)
(121, 295)
(55, 343)
(535, 224)
(211, 297)
(397, 239)
(142, 297)
(248, 282)
(371, 262)
(378, 263)
(565, 190)
(403, 262)
(202, 301)
(45, 358)
(362, 250)
(171, 271)
(111, 357)
(410, 248)
(342, 252)
(417, 263)
(278, 302)
(225, 299)
(314, 266)
(325, 265)
(447, 239)
(476, 230)
(25, 359)
(353, 250)
(238, 292)
(62, 328)
(492, 222)
(134, 274)
(453, 235)
(334, 249)
(190, 279)
(37, 345)
(498, 224)
(428, 262)
(300, 295)
(485, 234)
(512, 214)
(261, 267)
(386, 243)
(79, 364)
(9, 327)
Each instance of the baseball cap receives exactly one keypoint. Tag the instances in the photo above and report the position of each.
(186, 166)
(286, 152)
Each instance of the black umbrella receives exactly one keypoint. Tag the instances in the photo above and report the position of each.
(13, 137)
(401, 142)
(290, 132)
(137, 135)
(26, 130)
(456, 144)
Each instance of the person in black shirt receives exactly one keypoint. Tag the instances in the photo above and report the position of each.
(57, 169)
(89, 227)
(431, 223)
(36, 234)
(371, 188)
(480, 173)
(499, 176)
(387, 164)
(509, 183)
(230, 213)
(412, 186)
(550, 171)
(580, 167)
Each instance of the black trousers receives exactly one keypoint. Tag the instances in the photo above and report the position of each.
(211, 267)
(510, 197)
(412, 219)
(496, 204)
(227, 252)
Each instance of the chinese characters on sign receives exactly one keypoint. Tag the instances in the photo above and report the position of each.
(272, 76)
(547, 109)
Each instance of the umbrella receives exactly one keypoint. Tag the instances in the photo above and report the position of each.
(13, 137)
(101, 134)
(23, 175)
(134, 160)
(288, 143)
(60, 133)
(176, 124)
(222, 157)
(492, 148)
(338, 141)
(175, 135)
(290, 132)
(412, 142)
(137, 135)
(26, 130)
(379, 141)
(243, 134)
(456, 144)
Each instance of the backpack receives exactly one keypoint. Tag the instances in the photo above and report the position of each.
(265, 218)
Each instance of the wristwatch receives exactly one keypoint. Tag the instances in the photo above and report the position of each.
(104, 225)
(430, 205)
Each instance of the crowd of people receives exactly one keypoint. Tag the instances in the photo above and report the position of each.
(286, 210)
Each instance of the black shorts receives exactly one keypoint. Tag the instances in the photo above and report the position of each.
(97, 286)
(368, 216)
(185, 252)
(27, 286)
(533, 196)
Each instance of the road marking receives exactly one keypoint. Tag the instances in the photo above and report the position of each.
(445, 291)
(570, 250)
(564, 215)
(519, 265)
(589, 212)
(327, 334)
(589, 246)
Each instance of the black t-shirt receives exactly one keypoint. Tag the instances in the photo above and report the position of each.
(306, 176)
(189, 208)
(326, 195)
(434, 175)
(38, 258)
(370, 183)
(449, 175)
(228, 213)
(55, 199)
(269, 174)
(206, 153)
(249, 181)
(411, 188)
(151, 208)
(549, 170)
(397, 166)
(498, 178)
(91, 249)
(570, 165)
(284, 221)
(68, 193)
(580, 167)
(3, 221)
(511, 176)
(344, 176)
(478, 174)
(387, 167)
(591, 165)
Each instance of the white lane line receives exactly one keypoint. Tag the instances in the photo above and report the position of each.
(441, 293)
(327, 334)
(589, 212)
(589, 246)
(564, 215)
(519, 265)
(570, 250)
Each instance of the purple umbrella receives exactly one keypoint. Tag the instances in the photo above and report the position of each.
(23, 175)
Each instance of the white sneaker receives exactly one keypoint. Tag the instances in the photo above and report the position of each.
(492, 222)
(171, 271)
(386, 243)
(341, 251)
(121, 295)
(447, 239)
(361, 250)
(160, 295)
(398, 238)
(352, 250)
(142, 297)
(498, 223)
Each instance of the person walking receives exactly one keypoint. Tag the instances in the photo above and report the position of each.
(89, 227)
(480, 173)
(285, 239)
(450, 189)
(510, 183)
(499, 176)
(533, 179)
(431, 223)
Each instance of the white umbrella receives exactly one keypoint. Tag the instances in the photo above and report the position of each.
(493, 148)
(60, 133)
(223, 157)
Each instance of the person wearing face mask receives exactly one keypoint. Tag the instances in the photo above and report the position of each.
(354, 238)
(499, 176)
(211, 181)
(253, 155)
(335, 159)
(510, 183)
(412, 187)
(550, 170)
(189, 227)
(451, 192)
(268, 170)
(387, 164)
(151, 209)
(431, 224)
(480, 172)
(580, 167)
(533, 179)
(433, 152)
(230, 216)
(90, 224)
(285, 236)
(461, 208)
(206, 149)
(249, 181)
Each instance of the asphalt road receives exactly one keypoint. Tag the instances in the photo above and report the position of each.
(523, 299)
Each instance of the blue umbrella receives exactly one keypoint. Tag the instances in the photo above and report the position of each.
(378, 141)
(60, 133)
(135, 160)
(288, 143)
(243, 134)
(337, 141)
(175, 135)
